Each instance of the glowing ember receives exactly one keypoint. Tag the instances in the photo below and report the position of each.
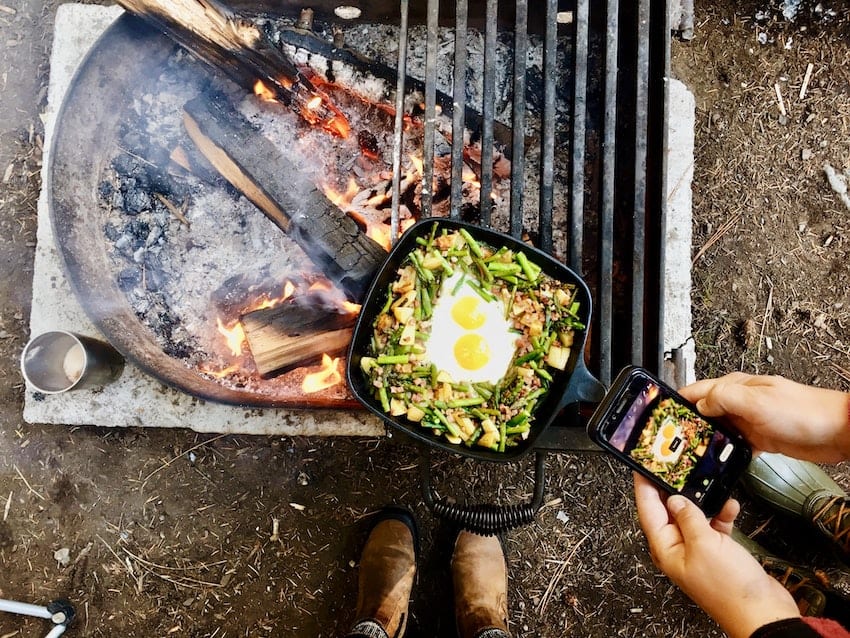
(417, 164)
(314, 103)
(233, 335)
(219, 374)
(329, 375)
(342, 200)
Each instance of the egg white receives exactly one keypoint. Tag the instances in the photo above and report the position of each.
(445, 331)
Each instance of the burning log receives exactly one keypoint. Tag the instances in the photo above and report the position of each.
(255, 167)
(291, 333)
(238, 48)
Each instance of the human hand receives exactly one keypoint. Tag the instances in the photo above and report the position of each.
(778, 415)
(700, 556)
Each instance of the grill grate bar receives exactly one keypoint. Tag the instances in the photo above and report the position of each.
(547, 144)
(458, 106)
(606, 217)
(579, 126)
(518, 117)
(398, 132)
(433, 25)
(639, 214)
(488, 109)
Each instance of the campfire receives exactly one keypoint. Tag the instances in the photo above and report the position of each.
(223, 290)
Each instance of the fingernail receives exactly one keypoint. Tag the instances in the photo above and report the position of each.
(676, 504)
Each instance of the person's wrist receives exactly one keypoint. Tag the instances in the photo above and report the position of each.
(840, 424)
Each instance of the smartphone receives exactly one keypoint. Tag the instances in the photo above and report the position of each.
(647, 425)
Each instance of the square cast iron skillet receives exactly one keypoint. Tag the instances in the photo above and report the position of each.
(573, 384)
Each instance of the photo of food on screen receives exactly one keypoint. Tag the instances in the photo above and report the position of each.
(672, 441)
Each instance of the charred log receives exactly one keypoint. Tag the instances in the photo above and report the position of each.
(257, 169)
(292, 333)
(238, 48)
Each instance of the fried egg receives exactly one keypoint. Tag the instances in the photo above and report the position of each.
(470, 337)
(668, 444)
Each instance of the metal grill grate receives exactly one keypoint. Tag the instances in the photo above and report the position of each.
(618, 56)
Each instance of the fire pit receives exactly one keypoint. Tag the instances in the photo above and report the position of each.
(562, 195)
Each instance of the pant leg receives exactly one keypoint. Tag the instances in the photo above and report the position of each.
(493, 633)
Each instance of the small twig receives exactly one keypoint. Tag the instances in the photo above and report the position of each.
(172, 208)
(767, 309)
(779, 99)
(29, 487)
(725, 228)
(8, 506)
(191, 449)
(556, 577)
(806, 78)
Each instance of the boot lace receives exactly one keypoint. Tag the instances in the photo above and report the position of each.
(832, 518)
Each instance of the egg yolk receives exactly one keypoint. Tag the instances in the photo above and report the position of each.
(466, 314)
(665, 449)
(668, 431)
(471, 351)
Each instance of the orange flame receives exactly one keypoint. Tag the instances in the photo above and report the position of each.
(338, 199)
(233, 335)
(262, 91)
(329, 375)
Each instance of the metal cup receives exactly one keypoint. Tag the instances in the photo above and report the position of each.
(59, 361)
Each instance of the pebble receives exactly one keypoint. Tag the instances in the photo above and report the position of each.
(63, 556)
(806, 154)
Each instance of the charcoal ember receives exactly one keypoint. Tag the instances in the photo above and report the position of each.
(154, 236)
(117, 200)
(139, 230)
(111, 231)
(368, 143)
(105, 190)
(155, 278)
(136, 200)
(124, 246)
(129, 278)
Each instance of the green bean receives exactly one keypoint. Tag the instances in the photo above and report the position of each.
(526, 266)
(473, 245)
(502, 435)
(385, 401)
(392, 359)
(465, 403)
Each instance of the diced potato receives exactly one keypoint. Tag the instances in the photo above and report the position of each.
(489, 427)
(566, 338)
(406, 299)
(431, 262)
(562, 297)
(489, 439)
(454, 440)
(465, 424)
(444, 377)
(557, 357)
(408, 334)
(415, 414)
(403, 313)
(397, 407)
(525, 373)
(367, 363)
(444, 392)
(406, 280)
(444, 242)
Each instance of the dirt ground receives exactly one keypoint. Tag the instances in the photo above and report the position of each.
(170, 532)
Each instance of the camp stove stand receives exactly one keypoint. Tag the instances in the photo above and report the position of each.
(60, 612)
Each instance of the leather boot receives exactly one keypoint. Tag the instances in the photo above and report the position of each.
(387, 571)
(480, 578)
(809, 587)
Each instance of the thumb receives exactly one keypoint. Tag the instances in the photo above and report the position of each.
(690, 520)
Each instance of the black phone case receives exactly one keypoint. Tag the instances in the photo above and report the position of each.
(603, 415)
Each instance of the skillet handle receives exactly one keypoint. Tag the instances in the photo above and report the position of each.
(583, 387)
(486, 519)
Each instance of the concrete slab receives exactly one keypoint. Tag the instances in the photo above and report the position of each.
(136, 399)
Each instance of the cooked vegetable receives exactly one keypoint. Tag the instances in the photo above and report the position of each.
(540, 311)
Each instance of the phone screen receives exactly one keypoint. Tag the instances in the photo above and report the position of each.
(672, 441)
